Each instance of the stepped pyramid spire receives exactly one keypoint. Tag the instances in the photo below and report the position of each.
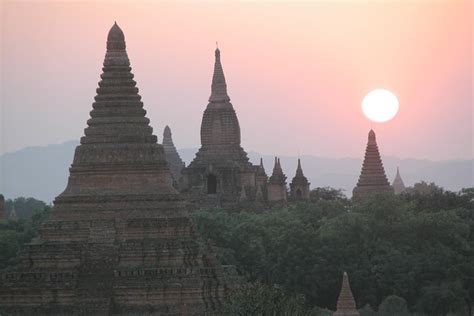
(372, 178)
(172, 156)
(299, 186)
(219, 86)
(398, 185)
(346, 305)
(119, 239)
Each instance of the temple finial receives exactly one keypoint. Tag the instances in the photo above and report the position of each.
(115, 38)
(219, 86)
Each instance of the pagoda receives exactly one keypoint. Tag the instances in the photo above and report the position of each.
(276, 186)
(346, 305)
(372, 179)
(119, 240)
(299, 186)
(13, 216)
(221, 168)
(175, 163)
(398, 185)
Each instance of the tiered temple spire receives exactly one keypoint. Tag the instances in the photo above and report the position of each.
(221, 169)
(219, 86)
(346, 305)
(372, 177)
(299, 186)
(398, 185)
(277, 183)
(172, 156)
(119, 239)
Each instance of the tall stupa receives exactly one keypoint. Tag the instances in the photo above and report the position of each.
(372, 179)
(119, 240)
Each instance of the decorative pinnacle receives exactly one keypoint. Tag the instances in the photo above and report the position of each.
(372, 136)
(219, 86)
(115, 38)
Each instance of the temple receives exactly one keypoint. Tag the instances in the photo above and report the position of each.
(221, 172)
(398, 185)
(13, 216)
(372, 179)
(299, 186)
(119, 239)
(346, 305)
(276, 187)
(175, 163)
(2, 208)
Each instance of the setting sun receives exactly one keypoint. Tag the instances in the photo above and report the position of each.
(380, 105)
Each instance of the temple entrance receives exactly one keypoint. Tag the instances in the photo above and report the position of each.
(299, 194)
(211, 184)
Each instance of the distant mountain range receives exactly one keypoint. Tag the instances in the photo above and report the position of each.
(41, 172)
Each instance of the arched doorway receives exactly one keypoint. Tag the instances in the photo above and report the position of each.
(211, 184)
(299, 194)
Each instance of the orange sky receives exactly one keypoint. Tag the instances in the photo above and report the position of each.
(296, 72)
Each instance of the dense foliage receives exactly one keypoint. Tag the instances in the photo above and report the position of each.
(24, 207)
(416, 248)
(13, 234)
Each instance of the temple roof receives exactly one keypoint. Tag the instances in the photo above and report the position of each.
(299, 177)
(372, 177)
(398, 185)
(220, 126)
(175, 162)
(261, 169)
(219, 86)
(118, 139)
(346, 305)
(277, 177)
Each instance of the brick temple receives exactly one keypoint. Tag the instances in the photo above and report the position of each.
(372, 179)
(119, 240)
(299, 186)
(221, 173)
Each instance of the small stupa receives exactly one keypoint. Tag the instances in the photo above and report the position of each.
(299, 186)
(346, 305)
(172, 156)
(398, 185)
(277, 183)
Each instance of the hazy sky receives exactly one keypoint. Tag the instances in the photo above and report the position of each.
(296, 72)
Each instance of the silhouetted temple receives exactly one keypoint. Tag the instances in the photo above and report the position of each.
(2, 207)
(346, 305)
(372, 178)
(175, 163)
(398, 185)
(13, 216)
(221, 168)
(276, 186)
(299, 186)
(119, 240)
(261, 182)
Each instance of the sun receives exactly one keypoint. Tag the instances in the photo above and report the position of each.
(380, 105)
